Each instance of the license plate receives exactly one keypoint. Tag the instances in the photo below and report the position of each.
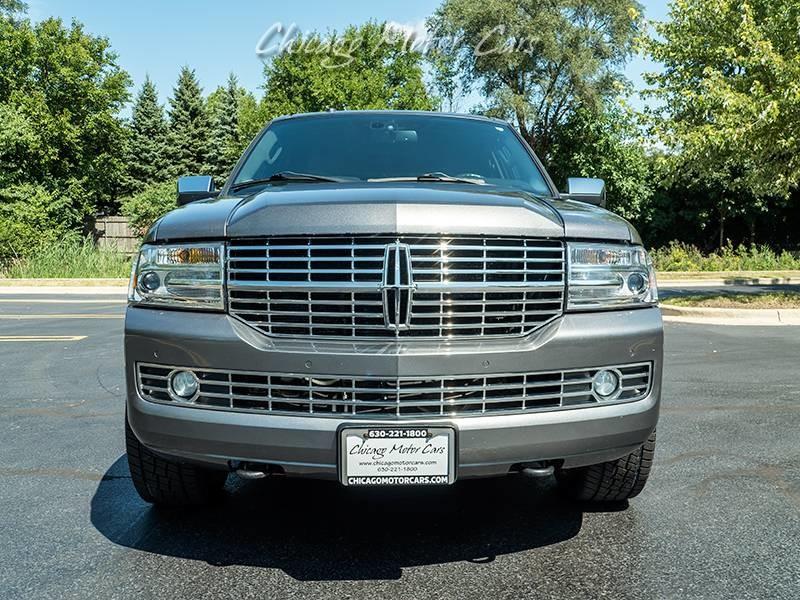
(397, 455)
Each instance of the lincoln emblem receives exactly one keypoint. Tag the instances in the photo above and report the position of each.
(397, 286)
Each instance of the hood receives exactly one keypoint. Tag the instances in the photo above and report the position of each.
(585, 221)
(403, 208)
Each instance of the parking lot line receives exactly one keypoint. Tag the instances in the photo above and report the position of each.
(24, 317)
(42, 338)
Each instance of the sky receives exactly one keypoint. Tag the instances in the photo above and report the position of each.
(216, 38)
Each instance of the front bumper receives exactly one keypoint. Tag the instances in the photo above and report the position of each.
(306, 445)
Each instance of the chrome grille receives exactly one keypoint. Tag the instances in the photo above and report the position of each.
(357, 287)
(404, 397)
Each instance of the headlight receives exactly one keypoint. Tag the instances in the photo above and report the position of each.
(609, 276)
(180, 275)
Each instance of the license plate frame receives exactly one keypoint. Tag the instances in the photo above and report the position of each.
(364, 473)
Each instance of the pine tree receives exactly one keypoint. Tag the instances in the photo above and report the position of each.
(146, 151)
(188, 137)
(225, 132)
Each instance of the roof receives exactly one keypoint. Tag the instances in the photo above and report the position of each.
(391, 112)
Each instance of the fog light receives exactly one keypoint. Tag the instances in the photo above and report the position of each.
(605, 383)
(150, 281)
(184, 385)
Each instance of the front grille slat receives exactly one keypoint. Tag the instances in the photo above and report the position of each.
(391, 398)
(307, 271)
(468, 260)
(442, 272)
(496, 313)
(333, 287)
(292, 313)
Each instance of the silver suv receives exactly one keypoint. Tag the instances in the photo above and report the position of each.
(391, 298)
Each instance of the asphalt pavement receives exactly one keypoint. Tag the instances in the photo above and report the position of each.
(720, 517)
(701, 288)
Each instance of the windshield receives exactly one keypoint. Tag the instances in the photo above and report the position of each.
(369, 147)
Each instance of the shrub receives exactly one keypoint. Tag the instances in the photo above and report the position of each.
(31, 215)
(70, 257)
(148, 206)
(678, 256)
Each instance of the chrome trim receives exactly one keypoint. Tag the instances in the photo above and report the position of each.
(373, 287)
(180, 302)
(403, 290)
(456, 286)
(170, 389)
(385, 398)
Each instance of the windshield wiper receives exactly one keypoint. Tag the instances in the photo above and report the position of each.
(309, 177)
(438, 176)
(444, 177)
(283, 176)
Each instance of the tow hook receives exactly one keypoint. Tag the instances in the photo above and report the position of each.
(538, 470)
(251, 471)
(247, 474)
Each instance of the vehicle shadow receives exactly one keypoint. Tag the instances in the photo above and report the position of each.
(316, 530)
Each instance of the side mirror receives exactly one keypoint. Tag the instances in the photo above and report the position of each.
(586, 189)
(195, 187)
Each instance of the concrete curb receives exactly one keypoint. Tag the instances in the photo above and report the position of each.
(24, 290)
(82, 283)
(732, 316)
(87, 287)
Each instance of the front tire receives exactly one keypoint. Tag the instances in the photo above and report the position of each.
(612, 481)
(170, 483)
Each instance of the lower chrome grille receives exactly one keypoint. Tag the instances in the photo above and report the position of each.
(387, 398)
(384, 287)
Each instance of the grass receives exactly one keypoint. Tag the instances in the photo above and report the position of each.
(71, 258)
(777, 276)
(732, 259)
(754, 300)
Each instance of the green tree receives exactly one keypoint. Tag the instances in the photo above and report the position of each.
(189, 127)
(252, 119)
(446, 78)
(146, 207)
(12, 7)
(367, 67)
(729, 100)
(67, 87)
(225, 143)
(61, 141)
(536, 62)
(679, 209)
(147, 144)
(609, 146)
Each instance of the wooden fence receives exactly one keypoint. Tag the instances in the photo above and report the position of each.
(115, 232)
